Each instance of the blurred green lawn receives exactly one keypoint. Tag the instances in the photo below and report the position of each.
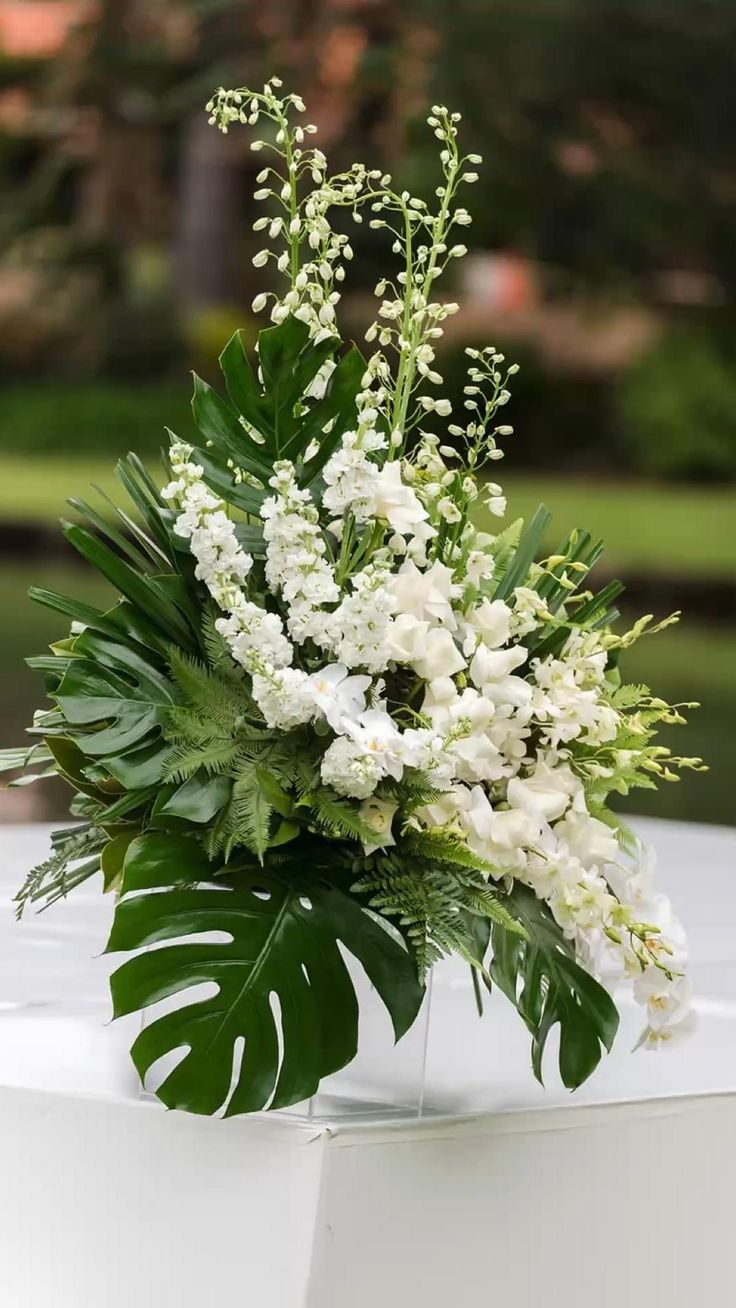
(677, 530)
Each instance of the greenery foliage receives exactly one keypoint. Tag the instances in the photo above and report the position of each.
(677, 408)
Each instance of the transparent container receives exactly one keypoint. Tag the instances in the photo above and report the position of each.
(385, 1079)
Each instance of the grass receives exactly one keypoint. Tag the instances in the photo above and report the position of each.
(36, 490)
(654, 528)
(53, 416)
(647, 527)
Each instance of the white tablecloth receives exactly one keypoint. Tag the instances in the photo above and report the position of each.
(503, 1191)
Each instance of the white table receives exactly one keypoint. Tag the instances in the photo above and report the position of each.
(503, 1192)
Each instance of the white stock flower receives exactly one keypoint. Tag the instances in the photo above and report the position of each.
(283, 697)
(221, 563)
(350, 475)
(359, 629)
(296, 566)
(252, 632)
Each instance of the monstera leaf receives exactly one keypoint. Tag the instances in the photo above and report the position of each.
(548, 987)
(278, 414)
(283, 932)
(112, 697)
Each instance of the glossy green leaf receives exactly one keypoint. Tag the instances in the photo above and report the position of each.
(219, 424)
(244, 388)
(199, 799)
(283, 927)
(126, 709)
(549, 988)
(524, 554)
(112, 859)
(145, 592)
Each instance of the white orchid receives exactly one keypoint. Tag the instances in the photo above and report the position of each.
(339, 696)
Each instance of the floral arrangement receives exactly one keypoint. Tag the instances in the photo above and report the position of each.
(330, 711)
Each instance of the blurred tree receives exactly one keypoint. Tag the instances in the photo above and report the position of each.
(606, 127)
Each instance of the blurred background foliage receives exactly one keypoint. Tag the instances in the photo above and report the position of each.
(602, 260)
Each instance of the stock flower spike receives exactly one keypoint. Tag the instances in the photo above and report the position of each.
(327, 709)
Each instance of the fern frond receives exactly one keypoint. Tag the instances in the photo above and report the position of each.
(436, 848)
(489, 904)
(215, 757)
(223, 699)
(338, 817)
(435, 905)
(216, 648)
(252, 813)
(185, 726)
(414, 791)
(629, 696)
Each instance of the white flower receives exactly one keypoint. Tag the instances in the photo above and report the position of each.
(296, 565)
(253, 635)
(397, 504)
(480, 566)
(489, 622)
(546, 793)
(406, 638)
(493, 666)
(336, 694)
(221, 564)
(492, 671)
(529, 612)
(350, 475)
(283, 697)
(378, 814)
(426, 595)
(448, 509)
(668, 1002)
(499, 836)
(377, 733)
(359, 629)
(370, 750)
(440, 656)
(587, 838)
(350, 770)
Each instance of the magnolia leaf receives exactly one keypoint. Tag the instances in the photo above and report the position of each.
(112, 859)
(283, 929)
